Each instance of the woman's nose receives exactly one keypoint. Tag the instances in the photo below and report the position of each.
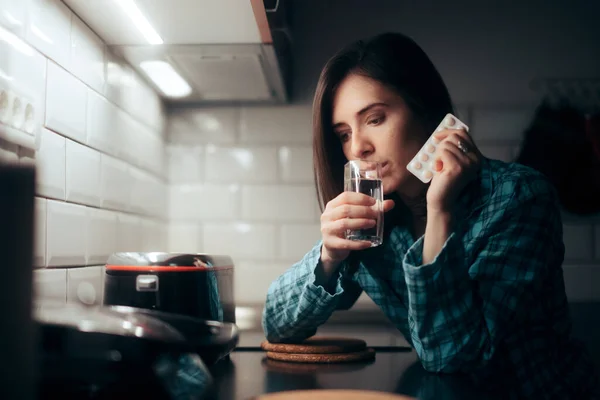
(361, 147)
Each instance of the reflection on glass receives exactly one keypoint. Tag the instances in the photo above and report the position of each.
(216, 309)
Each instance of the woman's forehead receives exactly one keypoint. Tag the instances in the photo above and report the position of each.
(355, 93)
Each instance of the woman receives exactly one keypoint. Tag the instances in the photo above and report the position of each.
(470, 268)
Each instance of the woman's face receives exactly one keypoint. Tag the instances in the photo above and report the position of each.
(374, 123)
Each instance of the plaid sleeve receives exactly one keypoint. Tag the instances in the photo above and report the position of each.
(459, 313)
(295, 307)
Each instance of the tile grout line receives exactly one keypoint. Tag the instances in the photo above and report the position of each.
(104, 153)
(127, 213)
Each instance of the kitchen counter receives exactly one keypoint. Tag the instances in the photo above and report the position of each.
(246, 372)
(396, 369)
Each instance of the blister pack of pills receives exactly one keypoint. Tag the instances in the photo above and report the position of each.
(423, 162)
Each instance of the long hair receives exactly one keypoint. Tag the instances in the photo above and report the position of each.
(395, 61)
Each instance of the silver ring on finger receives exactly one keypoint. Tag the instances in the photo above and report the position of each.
(462, 146)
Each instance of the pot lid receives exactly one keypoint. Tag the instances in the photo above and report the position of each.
(100, 319)
(169, 261)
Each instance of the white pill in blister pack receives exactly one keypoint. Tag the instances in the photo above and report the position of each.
(422, 163)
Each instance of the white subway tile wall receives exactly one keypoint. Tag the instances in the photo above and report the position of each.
(297, 238)
(66, 107)
(225, 198)
(115, 183)
(279, 203)
(251, 165)
(241, 239)
(102, 124)
(85, 285)
(129, 232)
(215, 126)
(295, 164)
(87, 56)
(51, 161)
(204, 202)
(39, 255)
(249, 289)
(234, 180)
(13, 16)
(49, 29)
(185, 238)
(185, 164)
(50, 284)
(101, 179)
(283, 125)
(66, 234)
(83, 174)
(102, 235)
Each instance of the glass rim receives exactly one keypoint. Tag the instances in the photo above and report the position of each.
(361, 162)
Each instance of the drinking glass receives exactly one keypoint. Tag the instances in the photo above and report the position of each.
(365, 177)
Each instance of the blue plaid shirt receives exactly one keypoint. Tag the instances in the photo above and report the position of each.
(493, 299)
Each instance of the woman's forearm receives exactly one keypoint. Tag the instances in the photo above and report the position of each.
(437, 231)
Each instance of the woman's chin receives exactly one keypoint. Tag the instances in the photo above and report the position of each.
(395, 184)
(389, 186)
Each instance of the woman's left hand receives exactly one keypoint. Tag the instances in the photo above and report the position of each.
(457, 161)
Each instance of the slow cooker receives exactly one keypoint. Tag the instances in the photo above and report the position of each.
(196, 285)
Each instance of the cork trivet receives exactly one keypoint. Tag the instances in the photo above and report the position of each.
(332, 394)
(284, 367)
(367, 354)
(317, 345)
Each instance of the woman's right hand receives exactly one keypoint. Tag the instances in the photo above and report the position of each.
(349, 210)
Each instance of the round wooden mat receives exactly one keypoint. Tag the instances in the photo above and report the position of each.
(285, 367)
(367, 354)
(317, 345)
(332, 394)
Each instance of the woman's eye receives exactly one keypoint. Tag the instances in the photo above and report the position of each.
(344, 137)
(376, 121)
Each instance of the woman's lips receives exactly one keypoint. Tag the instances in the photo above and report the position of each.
(384, 168)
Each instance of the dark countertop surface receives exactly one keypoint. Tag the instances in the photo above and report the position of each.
(396, 369)
(249, 373)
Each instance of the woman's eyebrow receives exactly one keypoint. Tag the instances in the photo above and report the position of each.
(362, 111)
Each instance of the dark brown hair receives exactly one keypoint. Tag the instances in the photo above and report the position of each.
(397, 62)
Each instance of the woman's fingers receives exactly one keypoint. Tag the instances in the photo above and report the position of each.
(339, 227)
(348, 197)
(444, 134)
(447, 161)
(459, 155)
(338, 243)
(350, 211)
(454, 136)
(388, 205)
